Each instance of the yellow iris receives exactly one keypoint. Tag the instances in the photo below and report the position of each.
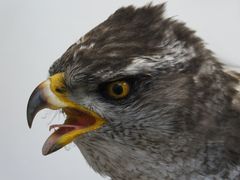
(118, 89)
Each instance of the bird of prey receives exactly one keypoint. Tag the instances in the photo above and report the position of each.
(144, 100)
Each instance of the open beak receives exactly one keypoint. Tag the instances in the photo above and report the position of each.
(53, 94)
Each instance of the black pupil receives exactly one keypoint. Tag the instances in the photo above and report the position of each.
(117, 89)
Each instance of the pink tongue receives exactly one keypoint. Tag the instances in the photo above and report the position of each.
(64, 126)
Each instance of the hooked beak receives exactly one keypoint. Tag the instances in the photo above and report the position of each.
(53, 94)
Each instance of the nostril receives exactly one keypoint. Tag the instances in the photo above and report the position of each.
(60, 90)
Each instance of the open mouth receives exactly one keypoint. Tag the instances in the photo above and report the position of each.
(79, 119)
(75, 120)
(75, 124)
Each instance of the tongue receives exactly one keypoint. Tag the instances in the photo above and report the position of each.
(54, 126)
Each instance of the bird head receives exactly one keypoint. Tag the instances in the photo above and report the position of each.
(127, 78)
(138, 79)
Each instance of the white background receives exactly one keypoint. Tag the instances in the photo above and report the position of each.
(35, 33)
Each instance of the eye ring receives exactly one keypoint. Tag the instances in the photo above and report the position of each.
(118, 89)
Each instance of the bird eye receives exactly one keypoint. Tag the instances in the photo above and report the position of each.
(118, 89)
